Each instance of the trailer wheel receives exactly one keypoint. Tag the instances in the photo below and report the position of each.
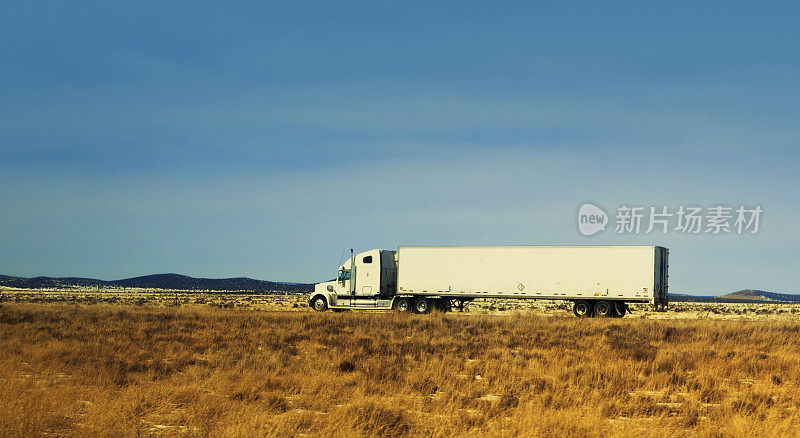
(603, 309)
(582, 309)
(422, 305)
(319, 304)
(403, 305)
(619, 309)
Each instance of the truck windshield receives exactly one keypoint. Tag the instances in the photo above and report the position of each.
(344, 275)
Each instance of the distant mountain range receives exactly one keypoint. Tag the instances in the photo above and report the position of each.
(244, 285)
(159, 281)
(742, 296)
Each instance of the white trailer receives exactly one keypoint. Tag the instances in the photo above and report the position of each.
(599, 280)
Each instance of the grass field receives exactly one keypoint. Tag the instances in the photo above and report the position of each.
(299, 303)
(124, 370)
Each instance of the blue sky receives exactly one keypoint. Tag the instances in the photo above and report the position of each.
(263, 139)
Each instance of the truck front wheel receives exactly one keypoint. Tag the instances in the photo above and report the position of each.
(319, 304)
(582, 309)
(403, 305)
(422, 305)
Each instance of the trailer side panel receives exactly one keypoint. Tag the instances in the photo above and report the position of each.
(629, 273)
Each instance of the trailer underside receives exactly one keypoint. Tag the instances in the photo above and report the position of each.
(601, 306)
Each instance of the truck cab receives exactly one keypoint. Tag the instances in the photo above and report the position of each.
(366, 280)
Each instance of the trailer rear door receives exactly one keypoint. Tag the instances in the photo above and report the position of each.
(661, 276)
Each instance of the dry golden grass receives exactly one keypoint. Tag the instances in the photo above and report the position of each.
(784, 312)
(70, 370)
(157, 297)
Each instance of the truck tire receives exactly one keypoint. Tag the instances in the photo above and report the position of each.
(403, 305)
(582, 309)
(603, 309)
(319, 304)
(422, 305)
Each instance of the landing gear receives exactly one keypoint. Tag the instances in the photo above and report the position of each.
(620, 309)
(457, 303)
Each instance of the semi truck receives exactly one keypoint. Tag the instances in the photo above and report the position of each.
(600, 281)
